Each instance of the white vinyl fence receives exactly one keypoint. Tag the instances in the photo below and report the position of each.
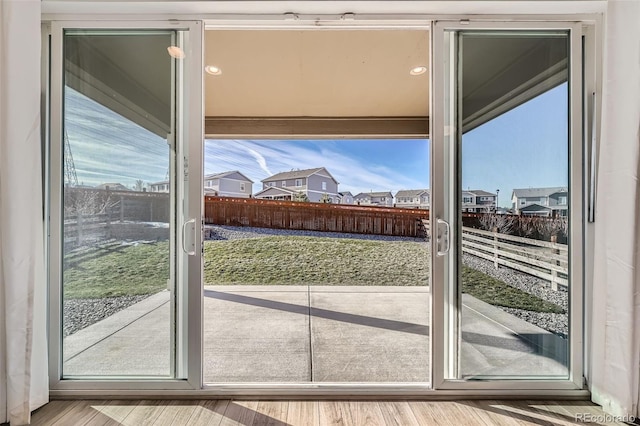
(545, 260)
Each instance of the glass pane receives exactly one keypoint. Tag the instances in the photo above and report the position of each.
(317, 269)
(513, 200)
(117, 268)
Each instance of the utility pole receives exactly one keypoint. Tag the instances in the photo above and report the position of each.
(70, 176)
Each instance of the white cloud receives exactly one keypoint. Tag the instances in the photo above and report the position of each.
(356, 173)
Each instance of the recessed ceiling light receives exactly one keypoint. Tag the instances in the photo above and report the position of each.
(213, 70)
(175, 52)
(418, 70)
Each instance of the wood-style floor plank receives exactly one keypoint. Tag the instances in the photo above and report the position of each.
(570, 412)
(209, 413)
(303, 413)
(112, 413)
(52, 412)
(145, 413)
(435, 413)
(365, 413)
(239, 413)
(176, 413)
(397, 413)
(271, 413)
(335, 413)
(81, 414)
(484, 415)
(316, 413)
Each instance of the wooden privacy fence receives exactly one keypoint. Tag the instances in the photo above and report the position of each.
(120, 205)
(79, 228)
(545, 260)
(93, 215)
(314, 216)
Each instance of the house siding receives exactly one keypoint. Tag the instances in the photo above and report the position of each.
(229, 186)
(233, 188)
(315, 191)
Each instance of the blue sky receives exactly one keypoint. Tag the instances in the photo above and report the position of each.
(358, 165)
(526, 147)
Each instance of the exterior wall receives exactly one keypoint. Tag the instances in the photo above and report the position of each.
(233, 188)
(211, 185)
(421, 202)
(315, 191)
(550, 201)
(518, 203)
(289, 183)
(490, 202)
(368, 200)
(161, 187)
(468, 199)
(274, 194)
(347, 199)
(383, 201)
(362, 200)
(554, 199)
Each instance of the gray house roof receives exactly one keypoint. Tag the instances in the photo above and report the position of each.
(225, 174)
(411, 192)
(481, 193)
(274, 190)
(535, 208)
(374, 194)
(297, 174)
(538, 192)
(113, 186)
(347, 193)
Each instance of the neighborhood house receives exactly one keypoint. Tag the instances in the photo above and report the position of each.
(478, 201)
(228, 184)
(384, 199)
(346, 197)
(548, 202)
(315, 185)
(413, 198)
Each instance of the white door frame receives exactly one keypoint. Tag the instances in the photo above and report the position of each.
(190, 129)
(446, 338)
(440, 388)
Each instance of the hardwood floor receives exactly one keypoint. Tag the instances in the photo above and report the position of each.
(318, 413)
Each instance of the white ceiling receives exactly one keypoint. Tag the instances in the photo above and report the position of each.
(327, 73)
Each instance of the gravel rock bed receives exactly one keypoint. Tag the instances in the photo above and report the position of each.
(81, 313)
(555, 323)
(218, 232)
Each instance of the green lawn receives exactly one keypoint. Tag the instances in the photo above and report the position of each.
(287, 260)
(118, 270)
(498, 293)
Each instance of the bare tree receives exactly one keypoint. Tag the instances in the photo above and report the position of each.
(556, 227)
(86, 202)
(502, 223)
(139, 186)
(526, 226)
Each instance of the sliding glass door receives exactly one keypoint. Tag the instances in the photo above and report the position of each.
(501, 303)
(125, 223)
(511, 212)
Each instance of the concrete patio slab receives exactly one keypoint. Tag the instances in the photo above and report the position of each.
(370, 336)
(133, 342)
(256, 336)
(297, 334)
(496, 343)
